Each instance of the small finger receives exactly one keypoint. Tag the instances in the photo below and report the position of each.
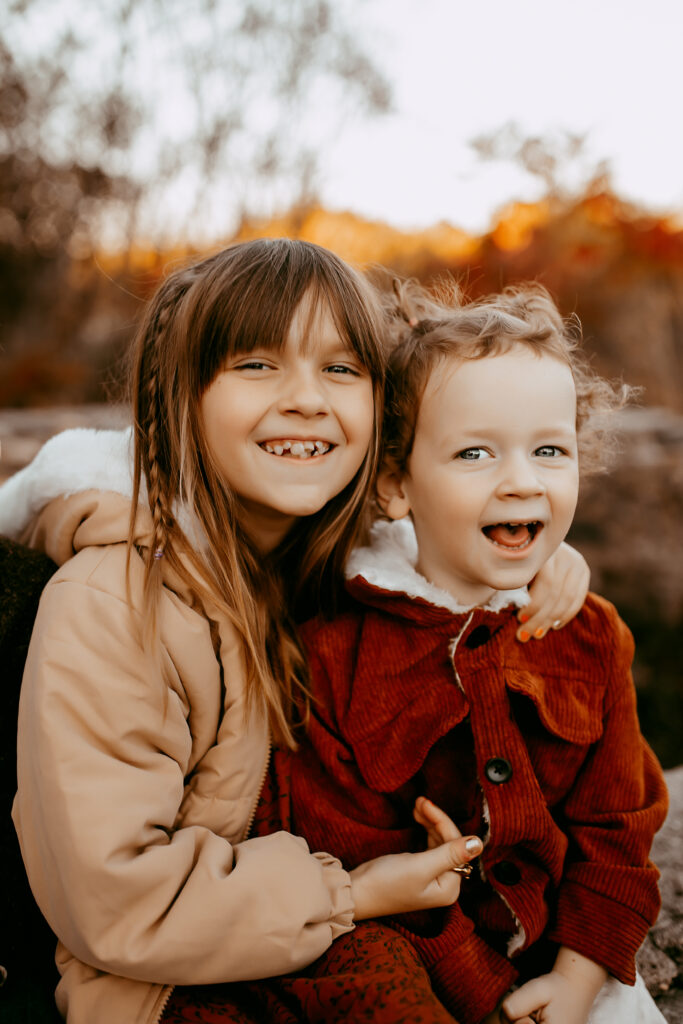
(555, 618)
(552, 617)
(453, 854)
(535, 629)
(430, 817)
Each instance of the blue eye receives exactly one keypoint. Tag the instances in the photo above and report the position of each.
(549, 451)
(473, 454)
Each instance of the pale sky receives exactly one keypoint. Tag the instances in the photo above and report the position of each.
(612, 69)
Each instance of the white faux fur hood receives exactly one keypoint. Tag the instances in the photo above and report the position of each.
(389, 561)
(69, 463)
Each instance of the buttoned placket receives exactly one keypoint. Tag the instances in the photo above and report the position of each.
(513, 804)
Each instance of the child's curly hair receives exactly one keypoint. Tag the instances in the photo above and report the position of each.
(428, 329)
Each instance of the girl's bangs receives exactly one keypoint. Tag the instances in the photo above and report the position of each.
(256, 290)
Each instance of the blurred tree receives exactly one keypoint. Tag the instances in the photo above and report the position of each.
(125, 101)
(154, 121)
(558, 159)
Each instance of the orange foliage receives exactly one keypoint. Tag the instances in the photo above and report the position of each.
(364, 242)
(517, 224)
(618, 268)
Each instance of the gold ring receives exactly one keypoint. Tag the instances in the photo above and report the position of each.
(463, 869)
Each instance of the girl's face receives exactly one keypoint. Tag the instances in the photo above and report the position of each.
(289, 429)
(492, 479)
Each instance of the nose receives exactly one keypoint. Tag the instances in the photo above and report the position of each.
(303, 391)
(520, 478)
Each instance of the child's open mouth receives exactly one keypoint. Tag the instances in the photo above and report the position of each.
(296, 449)
(513, 536)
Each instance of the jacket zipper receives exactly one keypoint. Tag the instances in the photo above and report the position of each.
(164, 1004)
(252, 815)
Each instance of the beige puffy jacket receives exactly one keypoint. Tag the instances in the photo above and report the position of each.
(137, 786)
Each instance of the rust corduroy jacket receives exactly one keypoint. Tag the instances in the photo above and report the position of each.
(566, 792)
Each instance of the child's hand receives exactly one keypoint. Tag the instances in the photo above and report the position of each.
(564, 996)
(550, 999)
(440, 828)
(557, 594)
(401, 882)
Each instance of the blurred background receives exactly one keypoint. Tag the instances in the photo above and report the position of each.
(492, 141)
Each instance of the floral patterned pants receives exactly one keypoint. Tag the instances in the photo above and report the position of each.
(370, 974)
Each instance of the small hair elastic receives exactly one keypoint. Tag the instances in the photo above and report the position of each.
(159, 553)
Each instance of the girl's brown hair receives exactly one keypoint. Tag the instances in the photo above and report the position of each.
(242, 298)
(429, 329)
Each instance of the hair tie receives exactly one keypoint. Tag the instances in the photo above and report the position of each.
(159, 553)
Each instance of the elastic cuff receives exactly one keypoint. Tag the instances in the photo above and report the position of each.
(338, 883)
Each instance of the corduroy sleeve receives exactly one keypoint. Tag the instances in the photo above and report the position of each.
(616, 805)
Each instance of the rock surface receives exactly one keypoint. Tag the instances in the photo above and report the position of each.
(660, 959)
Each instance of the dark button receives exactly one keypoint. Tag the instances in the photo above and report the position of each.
(506, 872)
(479, 636)
(498, 770)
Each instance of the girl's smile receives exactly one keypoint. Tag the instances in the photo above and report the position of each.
(289, 428)
(299, 448)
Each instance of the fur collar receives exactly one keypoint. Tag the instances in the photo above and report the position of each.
(70, 462)
(388, 562)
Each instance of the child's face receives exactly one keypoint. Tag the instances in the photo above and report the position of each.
(289, 429)
(492, 480)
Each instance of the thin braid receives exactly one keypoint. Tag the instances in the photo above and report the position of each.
(154, 471)
(159, 488)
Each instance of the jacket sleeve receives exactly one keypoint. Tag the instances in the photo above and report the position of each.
(616, 805)
(104, 751)
(331, 802)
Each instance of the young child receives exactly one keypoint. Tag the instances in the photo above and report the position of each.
(164, 656)
(422, 698)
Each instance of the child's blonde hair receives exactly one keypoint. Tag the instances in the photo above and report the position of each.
(242, 298)
(428, 329)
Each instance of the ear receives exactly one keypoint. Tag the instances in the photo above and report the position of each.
(390, 494)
